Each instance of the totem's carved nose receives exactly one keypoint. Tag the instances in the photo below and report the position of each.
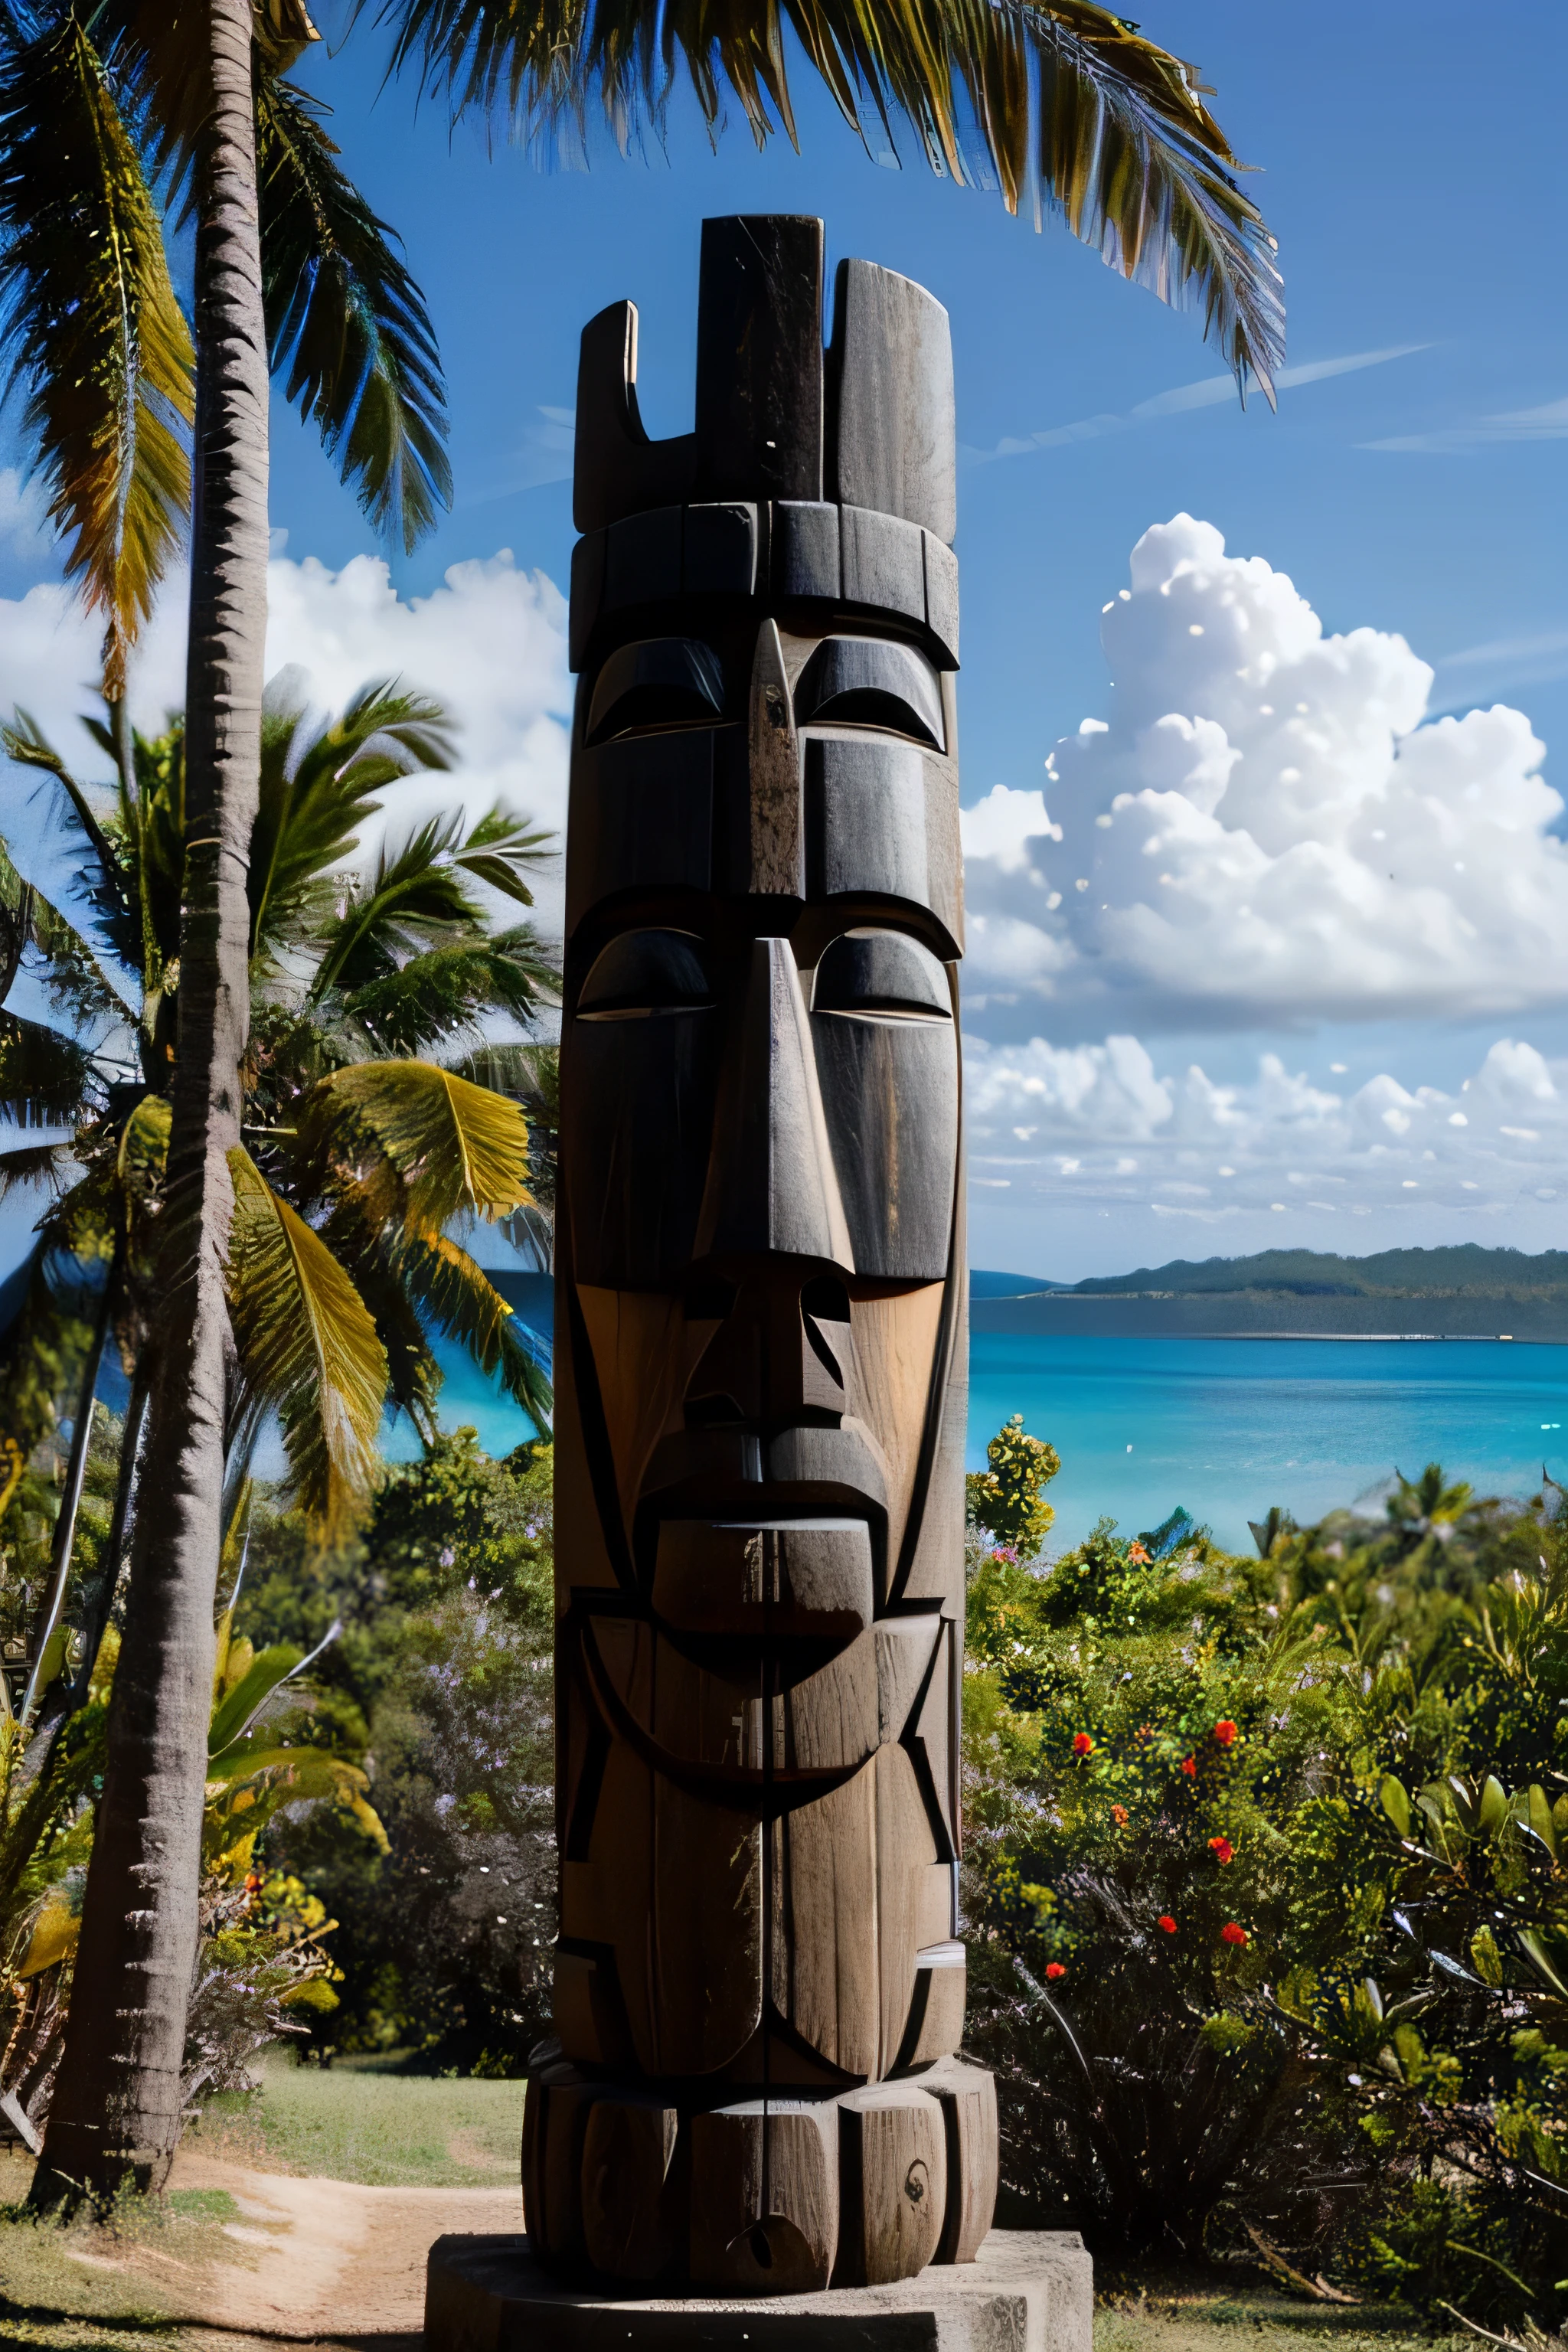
(772, 1186)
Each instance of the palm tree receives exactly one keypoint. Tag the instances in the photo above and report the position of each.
(1066, 97)
(404, 961)
(349, 1169)
(1060, 102)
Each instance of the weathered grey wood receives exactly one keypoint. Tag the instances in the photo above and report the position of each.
(806, 551)
(882, 562)
(777, 860)
(890, 366)
(872, 682)
(759, 359)
(642, 559)
(761, 1301)
(941, 595)
(616, 470)
(641, 816)
(719, 556)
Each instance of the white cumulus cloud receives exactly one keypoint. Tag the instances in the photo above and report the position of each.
(1266, 827)
(490, 642)
(1103, 1121)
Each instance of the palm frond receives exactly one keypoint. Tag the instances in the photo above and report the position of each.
(355, 1236)
(1059, 102)
(442, 994)
(414, 896)
(456, 1294)
(45, 1079)
(318, 786)
(347, 325)
(308, 1348)
(451, 1146)
(25, 1165)
(499, 850)
(90, 328)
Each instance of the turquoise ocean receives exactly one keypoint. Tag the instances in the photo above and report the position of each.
(1223, 1427)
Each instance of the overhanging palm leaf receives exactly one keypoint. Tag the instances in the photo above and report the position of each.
(346, 322)
(90, 327)
(1056, 99)
(307, 1346)
(453, 1146)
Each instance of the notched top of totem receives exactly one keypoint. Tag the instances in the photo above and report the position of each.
(865, 424)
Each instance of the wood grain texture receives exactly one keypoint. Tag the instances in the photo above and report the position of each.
(761, 1299)
(759, 359)
(778, 864)
(764, 2198)
(629, 2225)
(890, 367)
(892, 2183)
(968, 2100)
(823, 1976)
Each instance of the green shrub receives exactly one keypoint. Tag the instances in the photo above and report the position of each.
(1254, 1951)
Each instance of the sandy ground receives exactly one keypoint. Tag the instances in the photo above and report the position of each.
(321, 2260)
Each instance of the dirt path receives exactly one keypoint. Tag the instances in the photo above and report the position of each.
(323, 2258)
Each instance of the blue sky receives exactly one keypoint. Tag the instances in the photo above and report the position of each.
(1409, 169)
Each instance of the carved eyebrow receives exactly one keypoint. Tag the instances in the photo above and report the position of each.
(882, 972)
(656, 680)
(875, 682)
(644, 973)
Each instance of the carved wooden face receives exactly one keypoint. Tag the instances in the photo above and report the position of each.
(761, 1125)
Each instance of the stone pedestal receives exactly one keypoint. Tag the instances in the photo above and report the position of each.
(1027, 2291)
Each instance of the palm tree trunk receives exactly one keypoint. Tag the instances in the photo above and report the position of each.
(68, 1689)
(117, 2109)
(63, 1544)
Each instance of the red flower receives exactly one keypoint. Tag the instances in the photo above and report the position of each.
(1223, 1847)
(1081, 1743)
(1136, 1552)
(1054, 1970)
(1224, 1731)
(1119, 1815)
(1165, 1921)
(1231, 1934)
(1189, 1768)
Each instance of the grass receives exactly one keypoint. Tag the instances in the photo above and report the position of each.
(1183, 2312)
(366, 2123)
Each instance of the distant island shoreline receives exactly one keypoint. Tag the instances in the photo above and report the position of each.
(1459, 1293)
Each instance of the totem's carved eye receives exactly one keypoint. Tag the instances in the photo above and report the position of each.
(872, 682)
(881, 976)
(646, 974)
(658, 682)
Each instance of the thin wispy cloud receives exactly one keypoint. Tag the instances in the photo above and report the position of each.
(1209, 392)
(1476, 670)
(545, 454)
(1547, 423)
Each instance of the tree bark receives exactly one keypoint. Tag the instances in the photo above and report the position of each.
(117, 2110)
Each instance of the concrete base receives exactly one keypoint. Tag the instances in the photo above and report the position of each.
(1028, 2291)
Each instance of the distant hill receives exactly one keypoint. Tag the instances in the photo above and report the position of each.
(985, 1284)
(1460, 1293)
(1462, 1270)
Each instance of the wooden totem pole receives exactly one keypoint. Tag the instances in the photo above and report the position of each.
(760, 1312)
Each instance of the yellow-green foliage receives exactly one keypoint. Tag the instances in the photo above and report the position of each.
(1007, 1499)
